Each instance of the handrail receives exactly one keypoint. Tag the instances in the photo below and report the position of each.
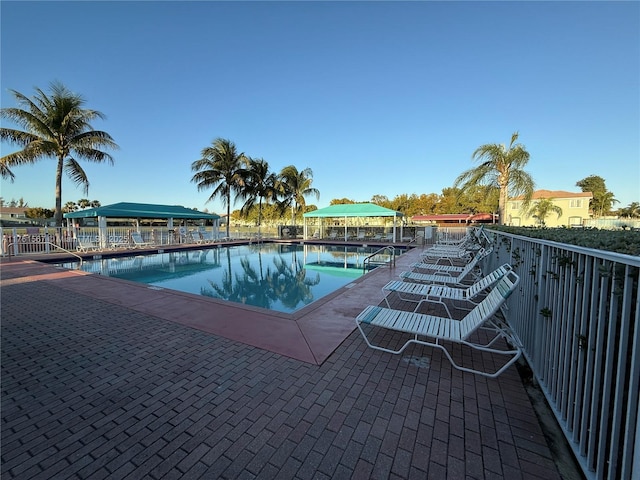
(49, 243)
(392, 253)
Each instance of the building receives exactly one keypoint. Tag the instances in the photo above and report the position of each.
(455, 219)
(575, 209)
(14, 215)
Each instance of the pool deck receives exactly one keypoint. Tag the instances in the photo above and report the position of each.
(105, 378)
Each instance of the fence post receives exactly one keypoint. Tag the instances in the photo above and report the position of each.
(16, 247)
(47, 246)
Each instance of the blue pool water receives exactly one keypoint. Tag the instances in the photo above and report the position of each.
(279, 277)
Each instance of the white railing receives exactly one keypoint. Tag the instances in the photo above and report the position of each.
(34, 240)
(577, 315)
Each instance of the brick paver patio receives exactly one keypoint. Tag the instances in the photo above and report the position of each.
(92, 389)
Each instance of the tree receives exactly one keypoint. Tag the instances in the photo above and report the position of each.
(94, 204)
(220, 168)
(450, 201)
(39, 213)
(341, 201)
(57, 126)
(70, 207)
(381, 200)
(294, 186)
(602, 200)
(543, 208)
(631, 211)
(501, 167)
(259, 184)
(83, 203)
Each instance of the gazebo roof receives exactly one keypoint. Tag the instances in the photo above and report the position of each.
(141, 210)
(354, 210)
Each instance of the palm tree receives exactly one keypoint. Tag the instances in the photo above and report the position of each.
(57, 126)
(605, 202)
(220, 168)
(501, 167)
(543, 208)
(294, 185)
(70, 207)
(259, 184)
(631, 211)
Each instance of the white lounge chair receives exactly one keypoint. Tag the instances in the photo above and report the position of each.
(420, 293)
(467, 245)
(201, 236)
(427, 263)
(117, 241)
(138, 242)
(431, 330)
(360, 236)
(445, 276)
(86, 244)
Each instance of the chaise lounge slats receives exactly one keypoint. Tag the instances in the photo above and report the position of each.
(425, 327)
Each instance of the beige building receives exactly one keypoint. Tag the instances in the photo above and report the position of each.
(575, 209)
(14, 214)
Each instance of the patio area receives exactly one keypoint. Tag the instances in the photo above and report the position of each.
(102, 378)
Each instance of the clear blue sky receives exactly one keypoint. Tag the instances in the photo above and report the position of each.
(375, 97)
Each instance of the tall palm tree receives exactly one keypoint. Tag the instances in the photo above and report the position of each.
(70, 207)
(294, 185)
(543, 208)
(220, 168)
(57, 126)
(631, 211)
(502, 167)
(259, 185)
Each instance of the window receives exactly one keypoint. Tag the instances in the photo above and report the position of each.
(575, 203)
(516, 205)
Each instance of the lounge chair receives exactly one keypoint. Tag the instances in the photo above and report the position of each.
(333, 235)
(434, 329)
(201, 236)
(469, 243)
(450, 267)
(360, 236)
(444, 277)
(433, 293)
(86, 244)
(138, 242)
(117, 241)
(389, 237)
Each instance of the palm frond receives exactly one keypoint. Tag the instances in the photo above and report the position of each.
(77, 174)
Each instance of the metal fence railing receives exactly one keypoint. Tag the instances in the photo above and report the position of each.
(38, 240)
(577, 315)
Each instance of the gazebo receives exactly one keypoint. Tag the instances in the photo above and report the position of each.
(351, 211)
(139, 211)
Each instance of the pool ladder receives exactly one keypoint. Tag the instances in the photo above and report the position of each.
(391, 251)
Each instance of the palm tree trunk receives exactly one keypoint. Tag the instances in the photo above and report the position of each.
(502, 203)
(58, 211)
(228, 213)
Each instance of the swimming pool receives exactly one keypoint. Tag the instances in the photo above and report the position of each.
(280, 277)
